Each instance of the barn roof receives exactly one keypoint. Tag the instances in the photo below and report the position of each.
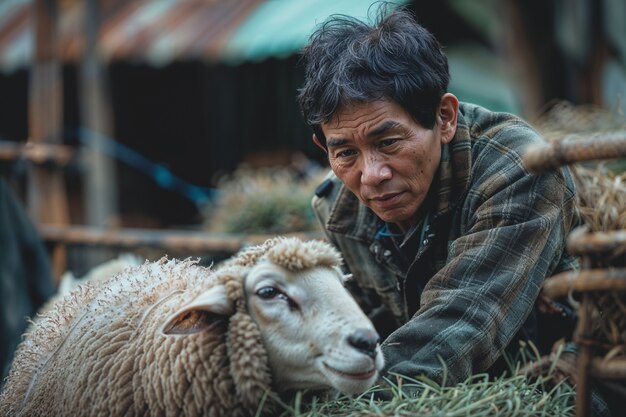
(162, 31)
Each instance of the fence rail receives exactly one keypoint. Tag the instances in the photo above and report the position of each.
(170, 240)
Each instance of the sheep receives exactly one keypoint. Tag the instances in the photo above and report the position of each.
(98, 273)
(174, 338)
(95, 275)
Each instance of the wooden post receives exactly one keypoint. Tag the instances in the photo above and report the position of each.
(582, 336)
(583, 387)
(46, 197)
(519, 52)
(99, 179)
(100, 191)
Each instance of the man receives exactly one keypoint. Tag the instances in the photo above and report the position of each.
(447, 235)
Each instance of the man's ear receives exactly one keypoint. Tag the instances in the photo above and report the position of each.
(317, 142)
(204, 312)
(447, 116)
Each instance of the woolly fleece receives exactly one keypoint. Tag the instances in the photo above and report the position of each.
(100, 351)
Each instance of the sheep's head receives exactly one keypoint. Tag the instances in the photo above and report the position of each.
(314, 333)
(173, 334)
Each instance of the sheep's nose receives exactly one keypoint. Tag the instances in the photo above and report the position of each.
(364, 340)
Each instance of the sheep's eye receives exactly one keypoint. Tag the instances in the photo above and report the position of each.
(268, 292)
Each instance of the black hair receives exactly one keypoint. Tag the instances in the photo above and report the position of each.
(348, 61)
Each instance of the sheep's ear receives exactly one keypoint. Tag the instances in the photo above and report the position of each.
(209, 309)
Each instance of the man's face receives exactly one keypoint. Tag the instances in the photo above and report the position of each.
(385, 157)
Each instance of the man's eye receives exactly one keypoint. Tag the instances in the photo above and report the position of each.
(387, 142)
(345, 153)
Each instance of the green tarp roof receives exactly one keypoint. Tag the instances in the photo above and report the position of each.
(278, 28)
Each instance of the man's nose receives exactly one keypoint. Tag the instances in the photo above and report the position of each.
(374, 172)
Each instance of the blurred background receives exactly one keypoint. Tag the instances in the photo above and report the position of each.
(167, 126)
(158, 114)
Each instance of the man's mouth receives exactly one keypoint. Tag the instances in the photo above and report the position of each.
(385, 196)
(386, 199)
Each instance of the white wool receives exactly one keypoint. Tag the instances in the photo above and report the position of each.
(175, 338)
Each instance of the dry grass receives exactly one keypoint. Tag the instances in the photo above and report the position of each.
(478, 396)
(263, 201)
(601, 189)
(600, 186)
(561, 118)
(601, 197)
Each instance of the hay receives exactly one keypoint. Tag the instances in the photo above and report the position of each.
(479, 396)
(600, 185)
(601, 197)
(264, 201)
(561, 118)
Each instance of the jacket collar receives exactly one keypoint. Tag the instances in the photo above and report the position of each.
(351, 218)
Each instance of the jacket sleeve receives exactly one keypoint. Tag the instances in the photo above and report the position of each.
(513, 228)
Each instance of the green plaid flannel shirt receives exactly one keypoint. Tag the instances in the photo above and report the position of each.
(494, 232)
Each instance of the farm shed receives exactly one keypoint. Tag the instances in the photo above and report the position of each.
(195, 86)
(136, 107)
(162, 96)
(188, 89)
(218, 79)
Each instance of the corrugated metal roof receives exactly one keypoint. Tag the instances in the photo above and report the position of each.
(168, 30)
(156, 31)
(15, 34)
(162, 31)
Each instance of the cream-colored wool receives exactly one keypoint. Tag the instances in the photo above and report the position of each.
(172, 338)
(99, 273)
(101, 351)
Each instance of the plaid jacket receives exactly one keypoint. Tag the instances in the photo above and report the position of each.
(494, 233)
